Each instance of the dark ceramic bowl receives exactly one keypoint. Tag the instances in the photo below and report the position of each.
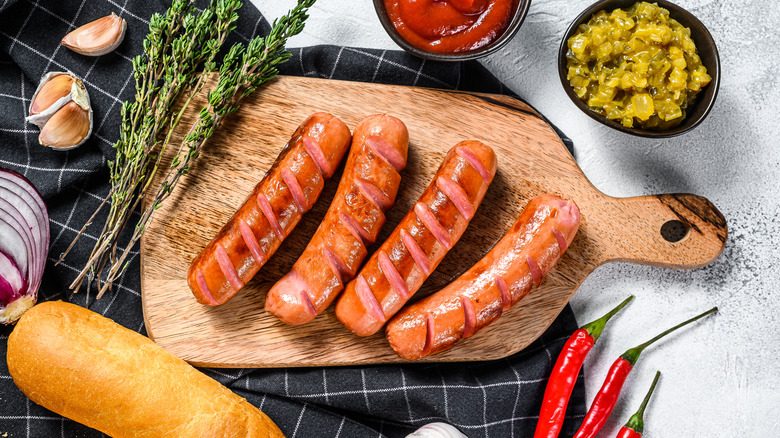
(705, 46)
(509, 32)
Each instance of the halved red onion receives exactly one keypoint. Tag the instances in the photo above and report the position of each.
(24, 245)
(14, 246)
(14, 218)
(7, 292)
(17, 206)
(28, 202)
(12, 280)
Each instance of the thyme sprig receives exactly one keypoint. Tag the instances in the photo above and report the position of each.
(181, 42)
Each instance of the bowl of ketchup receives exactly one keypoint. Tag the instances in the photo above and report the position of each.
(451, 30)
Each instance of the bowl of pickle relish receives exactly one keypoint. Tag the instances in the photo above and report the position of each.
(645, 68)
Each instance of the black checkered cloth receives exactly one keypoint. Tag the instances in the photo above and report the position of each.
(483, 399)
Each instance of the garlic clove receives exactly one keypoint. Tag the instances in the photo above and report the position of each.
(52, 91)
(437, 430)
(97, 37)
(67, 128)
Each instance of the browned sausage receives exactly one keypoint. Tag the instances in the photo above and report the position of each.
(400, 266)
(505, 275)
(367, 190)
(272, 210)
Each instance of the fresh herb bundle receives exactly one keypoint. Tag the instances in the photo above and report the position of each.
(179, 54)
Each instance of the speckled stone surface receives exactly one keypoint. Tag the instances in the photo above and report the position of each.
(720, 378)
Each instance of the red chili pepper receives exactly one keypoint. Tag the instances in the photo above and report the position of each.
(636, 424)
(607, 396)
(565, 372)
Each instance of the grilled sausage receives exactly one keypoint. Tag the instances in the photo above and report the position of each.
(413, 251)
(272, 210)
(519, 261)
(367, 190)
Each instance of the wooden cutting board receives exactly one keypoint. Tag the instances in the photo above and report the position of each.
(531, 160)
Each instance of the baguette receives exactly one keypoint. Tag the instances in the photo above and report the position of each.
(86, 367)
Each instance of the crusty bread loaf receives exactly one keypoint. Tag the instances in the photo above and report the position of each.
(86, 367)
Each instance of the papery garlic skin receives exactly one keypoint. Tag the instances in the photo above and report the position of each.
(97, 37)
(437, 430)
(75, 120)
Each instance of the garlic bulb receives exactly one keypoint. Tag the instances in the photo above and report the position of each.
(61, 108)
(437, 430)
(97, 37)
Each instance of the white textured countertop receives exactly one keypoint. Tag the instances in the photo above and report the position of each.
(720, 378)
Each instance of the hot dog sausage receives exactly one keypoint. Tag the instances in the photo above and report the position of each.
(400, 266)
(519, 261)
(289, 189)
(367, 190)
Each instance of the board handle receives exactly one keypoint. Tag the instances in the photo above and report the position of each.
(681, 231)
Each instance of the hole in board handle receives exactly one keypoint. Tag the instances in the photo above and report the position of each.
(675, 231)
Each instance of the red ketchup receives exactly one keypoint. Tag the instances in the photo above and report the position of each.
(450, 26)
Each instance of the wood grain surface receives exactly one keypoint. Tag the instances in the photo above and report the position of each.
(531, 160)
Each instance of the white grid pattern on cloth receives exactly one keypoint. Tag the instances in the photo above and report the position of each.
(298, 423)
(378, 64)
(302, 408)
(418, 73)
(517, 394)
(43, 169)
(70, 27)
(402, 388)
(24, 25)
(406, 394)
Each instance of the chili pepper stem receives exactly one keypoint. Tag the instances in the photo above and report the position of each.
(632, 355)
(607, 397)
(595, 328)
(564, 374)
(637, 422)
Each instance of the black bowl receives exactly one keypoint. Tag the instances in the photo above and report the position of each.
(509, 32)
(705, 46)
